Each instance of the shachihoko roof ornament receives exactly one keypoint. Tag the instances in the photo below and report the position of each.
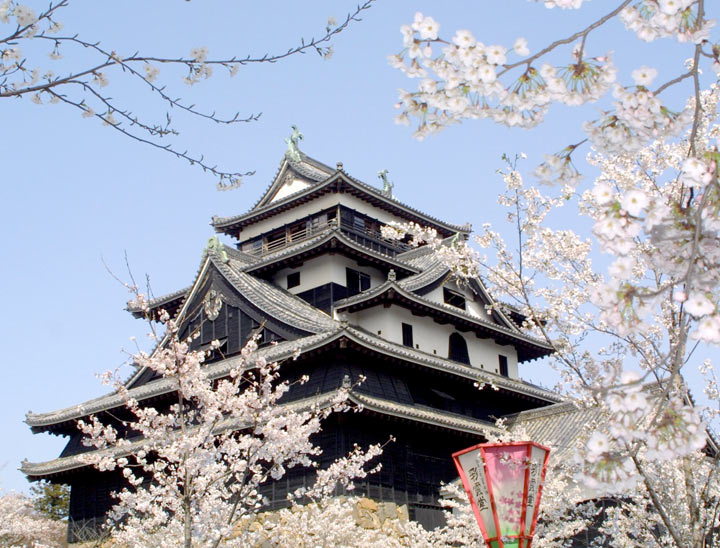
(387, 184)
(293, 151)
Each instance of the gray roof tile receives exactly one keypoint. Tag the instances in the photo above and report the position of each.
(561, 426)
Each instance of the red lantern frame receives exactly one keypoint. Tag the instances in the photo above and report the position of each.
(484, 485)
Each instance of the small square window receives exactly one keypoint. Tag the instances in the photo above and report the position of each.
(453, 298)
(293, 280)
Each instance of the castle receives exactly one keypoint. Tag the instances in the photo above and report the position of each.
(310, 270)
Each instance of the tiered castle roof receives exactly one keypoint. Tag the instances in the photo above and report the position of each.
(244, 279)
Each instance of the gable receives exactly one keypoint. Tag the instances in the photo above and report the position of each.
(292, 177)
(217, 311)
(292, 184)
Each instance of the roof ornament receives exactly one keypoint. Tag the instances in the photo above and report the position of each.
(346, 382)
(293, 151)
(391, 275)
(339, 166)
(212, 305)
(215, 245)
(387, 184)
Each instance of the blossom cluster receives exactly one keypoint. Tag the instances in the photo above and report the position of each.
(464, 80)
(21, 526)
(453, 252)
(652, 19)
(639, 117)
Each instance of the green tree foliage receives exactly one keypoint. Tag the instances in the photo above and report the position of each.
(51, 499)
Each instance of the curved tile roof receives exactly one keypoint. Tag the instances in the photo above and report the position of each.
(278, 303)
(281, 351)
(443, 364)
(559, 426)
(72, 462)
(277, 352)
(370, 294)
(431, 273)
(379, 405)
(221, 223)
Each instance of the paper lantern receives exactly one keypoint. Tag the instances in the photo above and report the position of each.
(504, 484)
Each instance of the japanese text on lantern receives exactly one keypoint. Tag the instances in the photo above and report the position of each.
(479, 489)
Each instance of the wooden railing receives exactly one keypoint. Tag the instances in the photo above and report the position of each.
(367, 238)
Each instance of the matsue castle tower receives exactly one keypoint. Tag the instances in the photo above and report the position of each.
(310, 267)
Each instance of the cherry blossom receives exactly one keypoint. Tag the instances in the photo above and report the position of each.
(21, 526)
(208, 453)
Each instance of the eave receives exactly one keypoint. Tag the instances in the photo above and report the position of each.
(528, 348)
(63, 420)
(334, 241)
(367, 340)
(338, 182)
(63, 466)
(170, 303)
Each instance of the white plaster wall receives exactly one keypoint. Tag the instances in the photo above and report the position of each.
(315, 206)
(472, 306)
(325, 269)
(432, 338)
(290, 187)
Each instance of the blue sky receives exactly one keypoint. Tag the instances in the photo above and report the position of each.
(75, 194)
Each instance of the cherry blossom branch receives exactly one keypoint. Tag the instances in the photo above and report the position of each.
(226, 178)
(18, 80)
(569, 40)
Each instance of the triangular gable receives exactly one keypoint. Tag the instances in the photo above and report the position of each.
(215, 310)
(476, 286)
(293, 177)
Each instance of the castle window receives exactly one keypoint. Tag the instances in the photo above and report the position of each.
(407, 335)
(453, 298)
(356, 281)
(457, 349)
(503, 365)
(293, 280)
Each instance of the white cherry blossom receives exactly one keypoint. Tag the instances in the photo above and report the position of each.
(644, 76)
